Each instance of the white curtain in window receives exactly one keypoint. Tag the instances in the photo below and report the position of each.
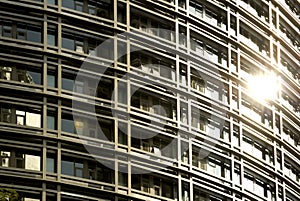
(33, 119)
(32, 162)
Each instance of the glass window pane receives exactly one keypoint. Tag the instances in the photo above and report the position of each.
(121, 13)
(67, 125)
(68, 43)
(67, 168)
(34, 36)
(50, 165)
(50, 80)
(51, 39)
(7, 31)
(68, 3)
(35, 77)
(52, 2)
(67, 84)
(79, 6)
(51, 122)
(21, 34)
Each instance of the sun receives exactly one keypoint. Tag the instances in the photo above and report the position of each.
(263, 87)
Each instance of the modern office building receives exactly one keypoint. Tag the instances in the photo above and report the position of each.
(191, 76)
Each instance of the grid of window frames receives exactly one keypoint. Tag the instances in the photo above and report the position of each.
(43, 44)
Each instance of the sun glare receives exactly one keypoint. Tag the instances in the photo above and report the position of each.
(263, 87)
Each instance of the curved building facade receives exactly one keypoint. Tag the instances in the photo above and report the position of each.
(176, 117)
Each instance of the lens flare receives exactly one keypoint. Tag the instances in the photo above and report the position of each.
(263, 87)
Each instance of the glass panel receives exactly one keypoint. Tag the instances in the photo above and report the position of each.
(50, 165)
(122, 177)
(67, 125)
(68, 3)
(34, 35)
(68, 43)
(67, 84)
(79, 6)
(7, 31)
(52, 2)
(121, 12)
(78, 168)
(51, 122)
(35, 77)
(51, 80)
(21, 34)
(19, 160)
(51, 39)
(6, 115)
(67, 168)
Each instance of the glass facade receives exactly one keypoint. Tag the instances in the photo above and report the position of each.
(249, 153)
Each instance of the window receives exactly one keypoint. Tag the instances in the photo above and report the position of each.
(34, 34)
(67, 123)
(68, 4)
(5, 158)
(29, 32)
(225, 134)
(121, 13)
(101, 172)
(51, 36)
(28, 118)
(197, 83)
(122, 133)
(53, 2)
(256, 185)
(22, 74)
(102, 8)
(6, 114)
(67, 168)
(68, 43)
(72, 168)
(50, 164)
(51, 122)
(153, 26)
(214, 167)
(7, 29)
(18, 159)
(122, 175)
(236, 175)
(68, 80)
(183, 113)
